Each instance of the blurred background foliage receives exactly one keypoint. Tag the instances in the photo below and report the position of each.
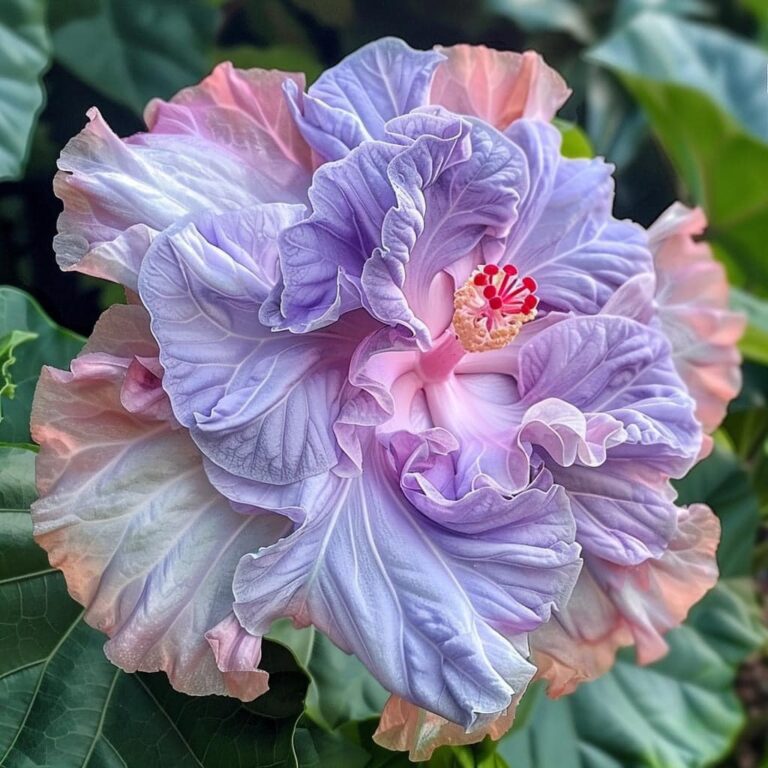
(674, 92)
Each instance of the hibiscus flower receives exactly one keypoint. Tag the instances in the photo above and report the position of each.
(391, 368)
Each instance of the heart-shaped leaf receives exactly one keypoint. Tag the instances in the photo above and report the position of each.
(681, 712)
(63, 704)
(24, 56)
(704, 93)
(137, 50)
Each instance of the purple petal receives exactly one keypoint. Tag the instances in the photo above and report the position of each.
(226, 143)
(617, 367)
(566, 237)
(322, 257)
(125, 510)
(426, 609)
(265, 410)
(445, 207)
(354, 100)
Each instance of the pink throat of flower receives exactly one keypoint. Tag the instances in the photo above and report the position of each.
(491, 307)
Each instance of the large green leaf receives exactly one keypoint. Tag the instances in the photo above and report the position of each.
(681, 712)
(665, 49)
(62, 704)
(138, 50)
(24, 56)
(547, 15)
(724, 483)
(704, 93)
(341, 688)
(754, 343)
(317, 748)
(53, 346)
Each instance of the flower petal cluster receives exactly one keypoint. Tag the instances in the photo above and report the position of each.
(285, 421)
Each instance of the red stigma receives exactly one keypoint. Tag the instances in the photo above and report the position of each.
(491, 307)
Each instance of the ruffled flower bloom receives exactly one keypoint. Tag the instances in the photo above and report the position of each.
(391, 368)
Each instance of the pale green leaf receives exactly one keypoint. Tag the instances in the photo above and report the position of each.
(24, 56)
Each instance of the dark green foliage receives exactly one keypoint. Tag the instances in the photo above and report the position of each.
(673, 92)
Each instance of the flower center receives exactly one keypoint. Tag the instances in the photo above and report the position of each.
(491, 307)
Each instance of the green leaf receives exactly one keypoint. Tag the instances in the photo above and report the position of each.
(575, 142)
(754, 343)
(63, 704)
(289, 58)
(53, 346)
(546, 16)
(316, 748)
(725, 68)
(341, 688)
(8, 344)
(704, 93)
(681, 712)
(724, 483)
(24, 56)
(138, 50)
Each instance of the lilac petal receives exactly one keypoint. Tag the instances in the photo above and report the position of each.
(354, 100)
(226, 143)
(125, 510)
(566, 237)
(616, 367)
(386, 583)
(482, 413)
(443, 212)
(620, 516)
(634, 299)
(615, 605)
(322, 257)
(613, 365)
(265, 410)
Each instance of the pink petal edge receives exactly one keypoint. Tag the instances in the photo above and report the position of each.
(117, 488)
(497, 86)
(692, 299)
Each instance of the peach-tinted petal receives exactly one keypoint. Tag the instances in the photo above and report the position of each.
(613, 606)
(244, 112)
(406, 727)
(692, 298)
(238, 655)
(226, 143)
(497, 86)
(127, 513)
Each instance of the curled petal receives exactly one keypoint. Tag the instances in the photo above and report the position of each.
(566, 236)
(445, 208)
(692, 298)
(238, 655)
(265, 410)
(226, 143)
(127, 513)
(614, 606)
(407, 728)
(497, 86)
(353, 101)
(403, 594)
